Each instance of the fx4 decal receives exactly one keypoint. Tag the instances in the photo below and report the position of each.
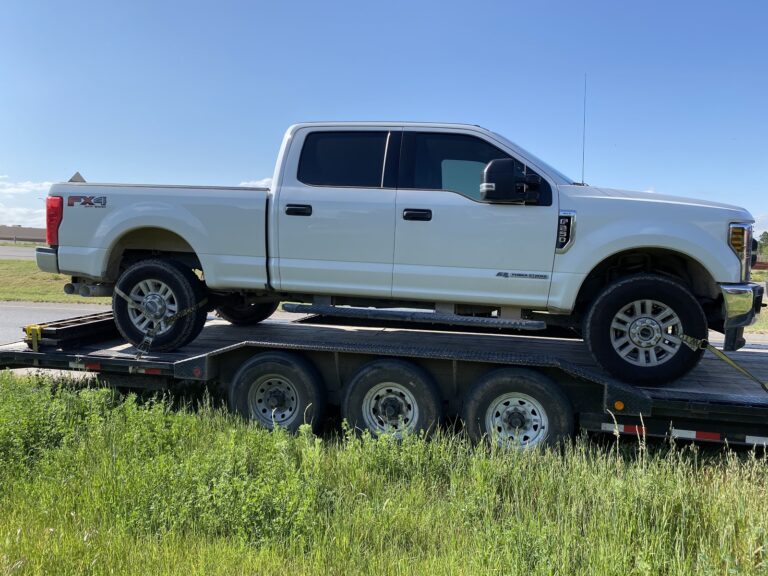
(89, 201)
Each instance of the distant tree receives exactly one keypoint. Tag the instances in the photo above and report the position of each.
(763, 241)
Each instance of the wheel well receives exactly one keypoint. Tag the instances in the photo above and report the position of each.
(669, 263)
(144, 243)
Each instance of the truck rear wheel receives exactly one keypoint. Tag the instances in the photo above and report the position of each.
(246, 314)
(278, 389)
(517, 408)
(634, 329)
(392, 396)
(157, 290)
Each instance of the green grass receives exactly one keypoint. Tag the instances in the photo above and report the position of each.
(21, 244)
(95, 483)
(22, 280)
(761, 326)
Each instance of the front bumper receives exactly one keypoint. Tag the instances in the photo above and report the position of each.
(741, 305)
(47, 259)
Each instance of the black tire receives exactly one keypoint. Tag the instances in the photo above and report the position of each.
(392, 396)
(201, 314)
(247, 314)
(651, 353)
(278, 388)
(517, 407)
(186, 290)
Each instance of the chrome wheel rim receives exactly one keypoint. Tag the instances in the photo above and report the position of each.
(646, 333)
(273, 400)
(389, 407)
(154, 302)
(516, 420)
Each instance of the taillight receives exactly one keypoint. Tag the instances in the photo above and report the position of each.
(54, 211)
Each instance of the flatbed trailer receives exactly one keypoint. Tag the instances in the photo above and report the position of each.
(714, 403)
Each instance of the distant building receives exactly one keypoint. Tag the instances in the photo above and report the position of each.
(21, 234)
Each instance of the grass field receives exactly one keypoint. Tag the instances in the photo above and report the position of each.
(761, 326)
(21, 244)
(22, 280)
(95, 483)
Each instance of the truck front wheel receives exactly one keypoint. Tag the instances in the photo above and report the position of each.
(161, 299)
(634, 329)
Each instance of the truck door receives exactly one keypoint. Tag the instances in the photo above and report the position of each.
(449, 245)
(335, 217)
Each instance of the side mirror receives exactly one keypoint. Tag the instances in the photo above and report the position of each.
(505, 182)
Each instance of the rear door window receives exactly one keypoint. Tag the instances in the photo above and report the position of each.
(343, 159)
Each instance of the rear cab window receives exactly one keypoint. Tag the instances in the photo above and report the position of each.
(343, 159)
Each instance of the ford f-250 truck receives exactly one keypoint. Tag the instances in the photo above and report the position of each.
(380, 217)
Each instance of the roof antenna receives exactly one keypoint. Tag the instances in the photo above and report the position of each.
(584, 130)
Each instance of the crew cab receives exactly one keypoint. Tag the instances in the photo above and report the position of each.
(388, 218)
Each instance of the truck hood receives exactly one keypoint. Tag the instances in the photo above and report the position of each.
(577, 193)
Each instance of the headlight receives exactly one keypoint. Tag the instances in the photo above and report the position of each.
(740, 240)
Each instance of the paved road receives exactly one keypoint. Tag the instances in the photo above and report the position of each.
(17, 253)
(14, 315)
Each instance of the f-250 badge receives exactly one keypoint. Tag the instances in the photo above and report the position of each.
(87, 201)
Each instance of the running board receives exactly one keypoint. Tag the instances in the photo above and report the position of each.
(412, 316)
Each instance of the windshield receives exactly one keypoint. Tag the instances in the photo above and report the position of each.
(554, 172)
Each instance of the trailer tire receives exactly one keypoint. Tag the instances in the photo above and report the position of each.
(633, 329)
(392, 396)
(278, 389)
(247, 314)
(170, 288)
(517, 407)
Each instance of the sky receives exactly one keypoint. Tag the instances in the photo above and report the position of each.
(201, 92)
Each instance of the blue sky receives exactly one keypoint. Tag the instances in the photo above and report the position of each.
(201, 92)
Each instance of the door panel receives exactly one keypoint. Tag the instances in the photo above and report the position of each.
(468, 251)
(473, 252)
(335, 222)
(344, 247)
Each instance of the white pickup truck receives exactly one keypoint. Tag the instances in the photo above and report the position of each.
(388, 218)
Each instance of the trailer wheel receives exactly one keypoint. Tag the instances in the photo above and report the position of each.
(278, 389)
(162, 289)
(247, 314)
(633, 329)
(392, 396)
(517, 408)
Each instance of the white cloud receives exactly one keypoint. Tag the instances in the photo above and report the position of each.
(22, 216)
(263, 183)
(23, 203)
(8, 189)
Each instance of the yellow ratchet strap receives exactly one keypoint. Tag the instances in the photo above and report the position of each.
(696, 343)
(34, 335)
